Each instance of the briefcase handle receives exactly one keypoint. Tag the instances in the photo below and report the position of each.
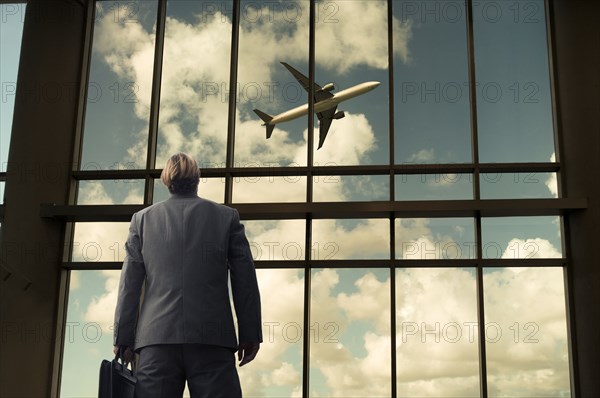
(119, 355)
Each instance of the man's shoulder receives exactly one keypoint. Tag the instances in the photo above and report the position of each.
(219, 207)
(203, 203)
(149, 208)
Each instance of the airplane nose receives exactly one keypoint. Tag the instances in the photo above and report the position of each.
(372, 85)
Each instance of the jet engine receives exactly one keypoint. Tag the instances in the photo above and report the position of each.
(339, 115)
(328, 87)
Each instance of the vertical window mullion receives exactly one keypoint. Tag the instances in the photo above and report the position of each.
(392, 177)
(235, 41)
(473, 100)
(306, 310)
(309, 199)
(155, 100)
(477, 197)
(480, 311)
(393, 304)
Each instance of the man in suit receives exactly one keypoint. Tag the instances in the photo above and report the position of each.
(182, 250)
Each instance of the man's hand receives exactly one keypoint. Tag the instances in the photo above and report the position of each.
(247, 351)
(127, 353)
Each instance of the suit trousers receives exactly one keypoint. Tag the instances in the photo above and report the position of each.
(210, 371)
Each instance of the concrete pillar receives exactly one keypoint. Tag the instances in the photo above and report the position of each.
(577, 54)
(38, 171)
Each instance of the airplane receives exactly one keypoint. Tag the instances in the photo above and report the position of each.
(325, 104)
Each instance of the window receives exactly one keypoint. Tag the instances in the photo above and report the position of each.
(418, 252)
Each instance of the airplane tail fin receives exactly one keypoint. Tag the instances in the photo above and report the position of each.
(266, 118)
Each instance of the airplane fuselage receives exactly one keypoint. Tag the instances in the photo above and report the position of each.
(325, 104)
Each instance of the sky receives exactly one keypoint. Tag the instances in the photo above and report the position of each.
(436, 342)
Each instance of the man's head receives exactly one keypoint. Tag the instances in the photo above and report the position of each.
(181, 174)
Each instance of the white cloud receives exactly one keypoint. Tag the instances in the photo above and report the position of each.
(366, 304)
(269, 189)
(74, 281)
(430, 302)
(349, 140)
(120, 42)
(552, 182)
(531, 248)
(367, 239)
(416, 240)
(101, 309)
(276, 240)
(355, 33)
(422, 156)
(93, 192)
(334, 353)
(96, 193)
(531, 357)
(282, 313)
(286, 374)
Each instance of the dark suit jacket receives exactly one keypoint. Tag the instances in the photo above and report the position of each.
(183, 249)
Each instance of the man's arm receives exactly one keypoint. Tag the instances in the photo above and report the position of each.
(244, 286)
(130, 286)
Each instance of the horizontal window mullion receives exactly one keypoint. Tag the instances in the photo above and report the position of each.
(360, 263)
(450, 168)
(331, 210)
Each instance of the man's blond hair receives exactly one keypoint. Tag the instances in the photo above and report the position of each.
(181, 173)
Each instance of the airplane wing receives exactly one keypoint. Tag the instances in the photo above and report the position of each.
(325, 119)
(304, 82)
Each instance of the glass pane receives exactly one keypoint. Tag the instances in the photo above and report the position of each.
(431, 92)
(435, 238)
(270, 33)
(521, 237)
(518, 185)
(208, 188)
(88, 330)
(437, 338)
(351, 52)
(276, 240)
(99, 241)
(514, 113)
(446, 186)
(276, 372)
(119, 87)
(111, 192)
(526, 332)
(11, 33)
(277, 369)
(350, 333)
(269, 189)
(350, 239)
(351, 188)
(195, 81)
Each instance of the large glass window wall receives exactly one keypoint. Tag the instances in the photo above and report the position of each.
(417, 252)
